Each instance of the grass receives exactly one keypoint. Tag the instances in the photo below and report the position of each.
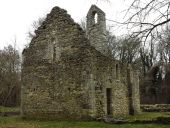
(9, 109)
(17, 122)
(149, 116)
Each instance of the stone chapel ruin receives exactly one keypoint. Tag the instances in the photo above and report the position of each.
(67, 74)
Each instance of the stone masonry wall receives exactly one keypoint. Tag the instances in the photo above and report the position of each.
(52, 70)
(106, 77)
(135, 92)
(96, 30)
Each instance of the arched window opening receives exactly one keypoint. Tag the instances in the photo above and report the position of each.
(95, 18)
(117, 72)
(54, 51)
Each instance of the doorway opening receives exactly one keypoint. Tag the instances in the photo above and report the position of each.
(109, 100)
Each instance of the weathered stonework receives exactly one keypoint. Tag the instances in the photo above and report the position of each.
(66, 75)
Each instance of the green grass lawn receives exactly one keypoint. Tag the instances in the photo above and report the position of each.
(9, 109)
(149, 116)
(17, 122)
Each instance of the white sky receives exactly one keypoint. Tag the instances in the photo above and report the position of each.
(18, 15)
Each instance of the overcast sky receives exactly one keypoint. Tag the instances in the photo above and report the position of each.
(18, 15)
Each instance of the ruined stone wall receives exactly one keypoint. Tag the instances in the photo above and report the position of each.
(110, 74)
(106, 77)
(155, 107)
(53, 67)
(96, 33)
(135, 91)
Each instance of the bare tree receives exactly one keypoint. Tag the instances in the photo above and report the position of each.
(83, 23)
(112, 43)
(9, 76)
(124, 49)
(147, 17)
(163, 47)
(103, 1)
(35, 26)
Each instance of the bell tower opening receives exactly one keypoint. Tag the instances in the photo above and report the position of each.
(95, 17)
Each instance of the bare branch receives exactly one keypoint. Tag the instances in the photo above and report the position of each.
(146, 17)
